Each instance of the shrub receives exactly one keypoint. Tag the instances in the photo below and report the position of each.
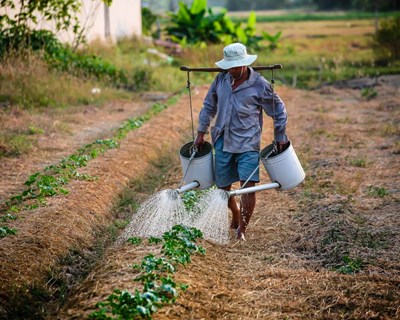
(64, 58)
(387, 39)
(199, 25)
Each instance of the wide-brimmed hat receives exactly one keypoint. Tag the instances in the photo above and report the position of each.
(235, 55)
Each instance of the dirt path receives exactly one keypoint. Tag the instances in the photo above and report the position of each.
(297, 238)
(347, 207)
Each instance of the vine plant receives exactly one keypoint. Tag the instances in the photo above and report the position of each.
(155, 276)
(53, 179)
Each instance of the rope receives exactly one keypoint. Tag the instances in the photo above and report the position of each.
(190, 102)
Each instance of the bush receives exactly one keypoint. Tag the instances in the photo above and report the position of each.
(65, 59)
(199, 25)
(387, 39)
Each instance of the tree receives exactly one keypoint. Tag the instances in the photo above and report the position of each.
(29, 13)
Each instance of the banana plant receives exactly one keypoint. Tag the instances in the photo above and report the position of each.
(273, 39)
(199, 25)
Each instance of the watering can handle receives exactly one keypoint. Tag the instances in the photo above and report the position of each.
(194, 148)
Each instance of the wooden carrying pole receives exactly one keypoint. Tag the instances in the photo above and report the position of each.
(257, 68)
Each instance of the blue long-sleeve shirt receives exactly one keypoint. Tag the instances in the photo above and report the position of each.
(238, 113)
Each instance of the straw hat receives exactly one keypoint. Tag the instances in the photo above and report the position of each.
(235, 55)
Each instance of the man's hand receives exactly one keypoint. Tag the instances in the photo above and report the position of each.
(282, 146)
(199, 139)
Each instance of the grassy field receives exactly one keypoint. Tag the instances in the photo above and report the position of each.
(312, 53)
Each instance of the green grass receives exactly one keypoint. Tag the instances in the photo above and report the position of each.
(313, 50)
(317, 16)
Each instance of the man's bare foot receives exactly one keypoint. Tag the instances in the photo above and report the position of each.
(240, 235)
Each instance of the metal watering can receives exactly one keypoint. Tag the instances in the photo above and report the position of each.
(284, 169)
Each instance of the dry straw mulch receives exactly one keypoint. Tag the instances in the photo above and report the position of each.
(70, 223)
(297, 239)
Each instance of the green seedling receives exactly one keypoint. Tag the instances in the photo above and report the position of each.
(377, 191)
(159, 288)
(350, 265)
(5, 231)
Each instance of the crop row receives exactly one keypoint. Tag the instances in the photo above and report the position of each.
(53, 179)
(155, 276)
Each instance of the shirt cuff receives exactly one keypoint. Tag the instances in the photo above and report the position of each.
(281, 137)
(202, 127)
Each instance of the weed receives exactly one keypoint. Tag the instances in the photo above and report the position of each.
(369, 93)
(359, 162)
(15, 144)
(377, 191)
(135, 240)
(345, 120)
(391, 129)
(350, 265)
(5, 231)
(35, 130)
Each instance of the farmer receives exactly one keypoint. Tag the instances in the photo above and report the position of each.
(235, 99)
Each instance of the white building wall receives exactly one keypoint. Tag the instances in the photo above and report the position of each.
(125, 20)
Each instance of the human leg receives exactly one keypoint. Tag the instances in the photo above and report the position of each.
(247, 205)
(232, 205)
(248, 170)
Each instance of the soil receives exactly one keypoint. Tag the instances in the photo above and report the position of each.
(344, 215)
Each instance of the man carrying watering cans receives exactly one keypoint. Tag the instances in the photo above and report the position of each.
(236, 99)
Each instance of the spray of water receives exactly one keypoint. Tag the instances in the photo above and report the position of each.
(165, 209)
(157, 215)
(210, 215)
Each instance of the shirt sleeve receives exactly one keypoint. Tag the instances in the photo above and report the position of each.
(275, 108)
(209, 109)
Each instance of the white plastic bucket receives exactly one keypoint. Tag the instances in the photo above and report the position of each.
(200, 168)
(284, 168)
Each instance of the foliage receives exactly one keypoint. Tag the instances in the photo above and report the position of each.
(377, 191)
(365, 5)
(317, 16)
(199, 25)
(64, 58)
(148, 20)
(63, 14)
(387, 39)
(53, 179)
(5, 231)
(245, 5)
(369, 93)
(159, 288)
(350, 265)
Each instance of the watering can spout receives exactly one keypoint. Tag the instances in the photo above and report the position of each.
(262, 187)
(187, 187)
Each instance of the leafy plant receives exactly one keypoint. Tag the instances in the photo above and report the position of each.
(63, 58)
(377, 191)
(54, 178)
(135, 240)
(350, 265)
(272, 39)
(22, 16)
(359, 162)
(159, 288)
(199, 25)
(148, 20)
(368, 93)
(387, 39)
(5, 231)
